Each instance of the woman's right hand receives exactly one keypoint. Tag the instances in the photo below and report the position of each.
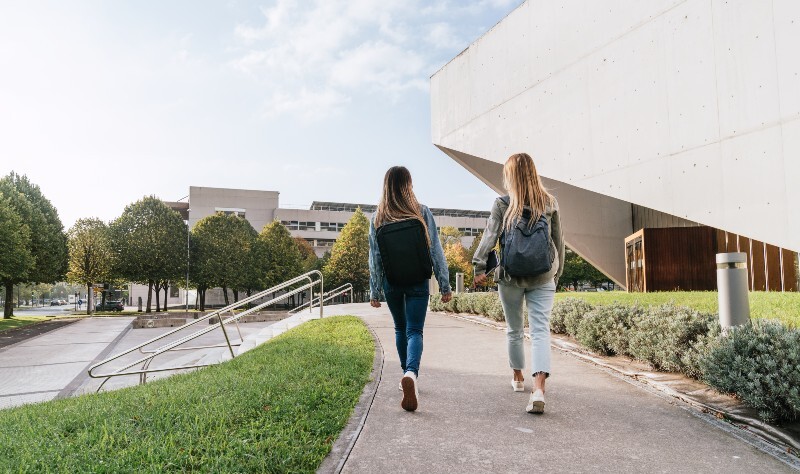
(447, 297)
(375, 303)
(479, 279)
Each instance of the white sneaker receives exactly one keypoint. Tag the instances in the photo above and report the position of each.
(518, 385)
(410, 393)
(536, 402)
(400, 385)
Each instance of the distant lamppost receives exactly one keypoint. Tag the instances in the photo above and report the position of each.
(187, 259)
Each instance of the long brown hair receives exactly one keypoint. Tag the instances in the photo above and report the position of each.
(525, 188)
(398, 201)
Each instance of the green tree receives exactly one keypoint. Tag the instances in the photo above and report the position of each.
(278, 255)
(307, 254)
(15, 252)
(149, 244)
(578, 271)
(47, 241)
(349, 261)
(90, 254)
(222, 255)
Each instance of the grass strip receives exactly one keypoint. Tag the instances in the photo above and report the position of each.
(19, 321)
(276, 408)
(784, 307)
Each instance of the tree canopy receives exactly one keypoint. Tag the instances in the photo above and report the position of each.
(349, 261)
(578, 271)
(16, 259)
(90, 254)
(149, 243)
(457, 261)
(278, 255)
(222, 254)
(47, 243)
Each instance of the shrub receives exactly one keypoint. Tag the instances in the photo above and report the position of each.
(569, 309)
(700, 349)
(760, 363)
(435, 303)
(495, 310)
(663, 335)
(605, 328)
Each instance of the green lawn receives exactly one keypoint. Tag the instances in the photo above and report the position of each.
(19, 321)
(770, 305)
(277, 408)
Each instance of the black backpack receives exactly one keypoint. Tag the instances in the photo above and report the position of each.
(405, 254)
(526, 250)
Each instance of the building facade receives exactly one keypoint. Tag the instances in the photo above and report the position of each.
(665, 113)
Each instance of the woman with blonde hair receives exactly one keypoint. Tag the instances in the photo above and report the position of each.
(528, 226)
(404, 251)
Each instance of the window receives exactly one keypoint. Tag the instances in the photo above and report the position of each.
(291, 225)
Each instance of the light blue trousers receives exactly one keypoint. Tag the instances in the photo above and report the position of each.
(540, 303)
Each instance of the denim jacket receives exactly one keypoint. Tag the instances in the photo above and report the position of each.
(376, 275)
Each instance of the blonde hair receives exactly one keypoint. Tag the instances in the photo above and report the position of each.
(524, 188)
(398, 201)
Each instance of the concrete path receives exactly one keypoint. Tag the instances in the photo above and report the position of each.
(470, 420)
(42, 367)
(55, 364)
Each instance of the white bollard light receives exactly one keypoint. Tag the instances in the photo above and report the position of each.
(734, 305)
(459, 283)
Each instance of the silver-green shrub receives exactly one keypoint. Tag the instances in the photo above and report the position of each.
(663, 335)
(760, 363)
(568, 309)
(605, 329)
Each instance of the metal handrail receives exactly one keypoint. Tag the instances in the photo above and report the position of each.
(327, 296)
(221, 324)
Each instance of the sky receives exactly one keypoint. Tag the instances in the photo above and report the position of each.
(102, 103)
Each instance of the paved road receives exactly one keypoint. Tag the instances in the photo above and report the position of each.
(471, 421)
(44, 311)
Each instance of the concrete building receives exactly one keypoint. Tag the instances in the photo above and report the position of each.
(320, 225)
(664, 113)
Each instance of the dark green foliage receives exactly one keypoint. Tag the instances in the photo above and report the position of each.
(278, 255)
(567, 315)
(349, 260)
(277, 408)
(760, 363)
(664, 335)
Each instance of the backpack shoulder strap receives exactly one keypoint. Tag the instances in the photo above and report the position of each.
(505, 199)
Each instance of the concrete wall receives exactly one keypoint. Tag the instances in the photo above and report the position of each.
(687, 107)
(260, 206)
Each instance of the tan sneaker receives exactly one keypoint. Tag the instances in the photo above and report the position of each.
(536, 402)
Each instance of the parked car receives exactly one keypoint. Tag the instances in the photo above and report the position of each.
(54, 303)
(110, 306)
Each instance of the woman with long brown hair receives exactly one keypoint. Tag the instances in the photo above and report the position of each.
(528, 225)
(404, 251)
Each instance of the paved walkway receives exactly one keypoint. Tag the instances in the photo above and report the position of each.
(470, 420)
(55, 364)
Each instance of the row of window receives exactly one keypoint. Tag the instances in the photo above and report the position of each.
(314, 226)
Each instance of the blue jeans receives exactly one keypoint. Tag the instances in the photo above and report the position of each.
(408, 305)
(539, 301)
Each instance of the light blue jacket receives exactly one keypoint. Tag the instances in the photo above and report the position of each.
(440, 270)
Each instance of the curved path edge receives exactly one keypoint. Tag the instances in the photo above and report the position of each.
(340, 451)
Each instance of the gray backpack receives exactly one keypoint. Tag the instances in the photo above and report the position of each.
(526, 250)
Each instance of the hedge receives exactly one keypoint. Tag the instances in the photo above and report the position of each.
(759, 363)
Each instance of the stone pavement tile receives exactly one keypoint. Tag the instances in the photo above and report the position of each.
(16, 380)
(470, 420)
(50, 354)
(9, 401)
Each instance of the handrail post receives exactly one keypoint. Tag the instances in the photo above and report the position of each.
(225, 333)
(321, 294)
(311, 300)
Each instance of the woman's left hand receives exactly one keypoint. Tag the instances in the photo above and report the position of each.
(375, 303)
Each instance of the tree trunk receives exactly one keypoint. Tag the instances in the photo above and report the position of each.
(235, 296)
(8, 308)
(149, 296)
(225, 293)
(202, 299)
(103, 300)
(166, 289)
(158, 297)
(89, 305)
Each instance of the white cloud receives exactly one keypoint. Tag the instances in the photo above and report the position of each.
(314, 56)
